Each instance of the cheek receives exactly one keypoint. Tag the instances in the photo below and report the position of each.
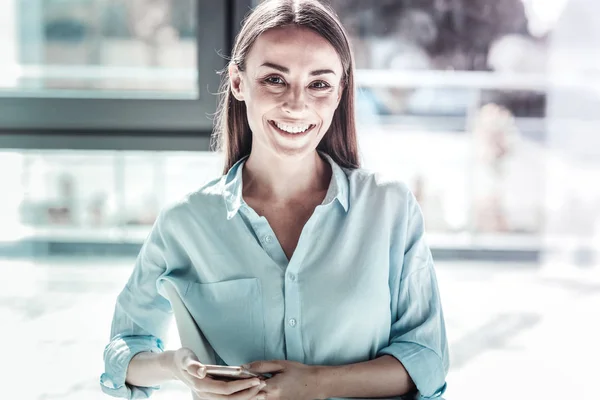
(325, 107)
(261, 100)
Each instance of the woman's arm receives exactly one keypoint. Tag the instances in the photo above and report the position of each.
(141, 317)
(418, 333)
(150, 369)
(382, 377)
(417, 354)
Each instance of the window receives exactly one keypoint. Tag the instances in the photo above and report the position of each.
(101, 48)
(88, 67)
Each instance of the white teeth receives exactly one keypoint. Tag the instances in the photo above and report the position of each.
(292, 129)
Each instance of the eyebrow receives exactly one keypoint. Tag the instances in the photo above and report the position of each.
(287, 71)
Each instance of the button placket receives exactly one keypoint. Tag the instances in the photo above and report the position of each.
(293, 328)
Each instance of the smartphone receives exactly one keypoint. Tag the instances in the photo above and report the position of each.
(231, 373)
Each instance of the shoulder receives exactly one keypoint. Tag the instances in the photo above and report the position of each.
(378, 186)
(208, 199)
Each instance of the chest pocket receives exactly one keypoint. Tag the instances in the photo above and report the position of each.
(231, 316)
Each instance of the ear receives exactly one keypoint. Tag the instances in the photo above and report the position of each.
(236, 82)
(341, 89)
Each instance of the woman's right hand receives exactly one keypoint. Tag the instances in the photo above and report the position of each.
(186, 367)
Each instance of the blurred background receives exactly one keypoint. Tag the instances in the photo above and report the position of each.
(488, 109)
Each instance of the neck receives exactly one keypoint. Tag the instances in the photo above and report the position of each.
(282, 180)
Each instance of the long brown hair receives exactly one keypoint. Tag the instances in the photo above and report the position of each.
(232, 133)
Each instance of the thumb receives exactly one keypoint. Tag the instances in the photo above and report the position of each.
(264, 366)
(195, 368)
(201, 372)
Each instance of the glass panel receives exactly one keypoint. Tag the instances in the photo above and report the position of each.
(57, 192)
(143, 48)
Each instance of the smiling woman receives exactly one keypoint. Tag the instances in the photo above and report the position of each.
(285, 100)
(295, 262)
(299, 68)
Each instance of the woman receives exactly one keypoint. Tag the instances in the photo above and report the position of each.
(295, 262)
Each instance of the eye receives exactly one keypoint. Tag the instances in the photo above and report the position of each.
(320, 85)
(275, 80)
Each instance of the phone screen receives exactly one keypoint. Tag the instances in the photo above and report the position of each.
(231, 373)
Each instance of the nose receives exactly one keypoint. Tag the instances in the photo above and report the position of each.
(295, 101)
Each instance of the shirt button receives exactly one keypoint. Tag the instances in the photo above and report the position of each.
(268, 239)
(292, 277)
(292, 322)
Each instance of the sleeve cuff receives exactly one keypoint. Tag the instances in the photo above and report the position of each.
(117, 356)
(424, 366)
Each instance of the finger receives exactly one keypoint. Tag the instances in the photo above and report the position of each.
(195, 368)
(264, 366)
(261, 396)
(210, 385)
(247, 394)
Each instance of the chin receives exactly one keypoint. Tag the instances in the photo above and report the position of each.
(296, 153)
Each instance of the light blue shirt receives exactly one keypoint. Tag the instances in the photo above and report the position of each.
(360, 284)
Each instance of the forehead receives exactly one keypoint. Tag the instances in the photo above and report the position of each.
(295, 48)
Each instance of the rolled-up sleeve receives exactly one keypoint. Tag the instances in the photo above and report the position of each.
(117, 356)
(142, 315)
(418, 333)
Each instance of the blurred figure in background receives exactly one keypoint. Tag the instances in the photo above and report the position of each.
(507, 175)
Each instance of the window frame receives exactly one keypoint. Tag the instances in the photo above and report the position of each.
(43, 122)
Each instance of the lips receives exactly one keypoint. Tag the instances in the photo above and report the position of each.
(310, 128)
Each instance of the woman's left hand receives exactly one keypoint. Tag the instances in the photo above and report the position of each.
(290, 380)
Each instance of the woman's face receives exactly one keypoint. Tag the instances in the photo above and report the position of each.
(291, 87)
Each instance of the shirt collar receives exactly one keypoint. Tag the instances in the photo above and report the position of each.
(232, 193)
(338, 187)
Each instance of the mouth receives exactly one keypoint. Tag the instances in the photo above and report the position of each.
(289, 131)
